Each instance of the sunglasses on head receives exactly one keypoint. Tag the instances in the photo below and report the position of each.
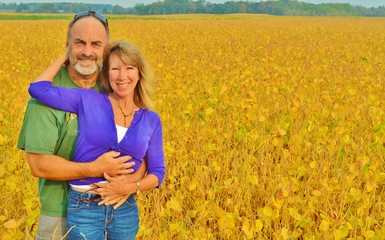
(91, 13)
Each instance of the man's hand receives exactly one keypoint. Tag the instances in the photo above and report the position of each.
(112, 164)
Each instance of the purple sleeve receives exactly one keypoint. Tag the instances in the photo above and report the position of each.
(65, 99)
(155, 153)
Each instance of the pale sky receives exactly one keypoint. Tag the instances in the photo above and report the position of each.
(131, 3)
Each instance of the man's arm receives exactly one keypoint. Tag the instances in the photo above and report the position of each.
(57, 168)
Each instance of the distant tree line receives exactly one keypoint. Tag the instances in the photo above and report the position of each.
(277, 7)
(55, 7)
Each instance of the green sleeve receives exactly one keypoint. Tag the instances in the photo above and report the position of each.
(48, 131)
(39, 132)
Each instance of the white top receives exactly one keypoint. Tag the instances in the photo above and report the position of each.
(121, 132)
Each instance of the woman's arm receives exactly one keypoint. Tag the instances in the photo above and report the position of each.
(61, 98)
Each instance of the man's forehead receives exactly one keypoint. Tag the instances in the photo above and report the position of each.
(88, 26)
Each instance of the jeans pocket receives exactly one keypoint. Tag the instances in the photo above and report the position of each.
(75, 202)
(131, 202)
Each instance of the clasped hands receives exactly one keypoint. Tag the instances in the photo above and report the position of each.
(113, 192)
(119, 174)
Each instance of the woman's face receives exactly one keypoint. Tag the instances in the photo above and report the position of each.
(123, 78)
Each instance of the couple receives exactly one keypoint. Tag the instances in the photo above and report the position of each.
(114, 125)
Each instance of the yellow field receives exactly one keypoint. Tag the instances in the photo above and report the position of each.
(274, 126)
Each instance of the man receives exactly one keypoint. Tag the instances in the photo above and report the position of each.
(49, 135)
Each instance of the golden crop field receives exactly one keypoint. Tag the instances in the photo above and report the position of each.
(274, 127)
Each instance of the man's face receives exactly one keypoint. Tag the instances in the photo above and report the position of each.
(86, 45)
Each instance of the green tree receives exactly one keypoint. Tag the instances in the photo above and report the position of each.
(22, 7)
(68, 8)
(243, 7)
(118, 10)
(261, 8)
(141, 9)
(80, 7)
(191, 7)
(46, 8)
(201, 6)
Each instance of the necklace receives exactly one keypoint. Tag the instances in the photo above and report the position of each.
(125, 115)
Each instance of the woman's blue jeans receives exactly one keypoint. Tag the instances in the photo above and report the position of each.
(87, 220)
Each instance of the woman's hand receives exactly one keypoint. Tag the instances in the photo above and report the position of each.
(116, 191)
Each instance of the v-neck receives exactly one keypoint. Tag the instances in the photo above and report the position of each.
(129, 128)
(113, 113)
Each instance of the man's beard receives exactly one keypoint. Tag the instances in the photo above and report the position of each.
(88, 70)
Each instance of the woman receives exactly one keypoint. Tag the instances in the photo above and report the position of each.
(119, 119)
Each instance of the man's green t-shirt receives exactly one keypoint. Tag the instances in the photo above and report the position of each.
(50, 131)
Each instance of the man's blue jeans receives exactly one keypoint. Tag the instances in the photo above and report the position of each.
(87, 220)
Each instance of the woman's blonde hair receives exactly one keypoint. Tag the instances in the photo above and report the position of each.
(130, 55)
